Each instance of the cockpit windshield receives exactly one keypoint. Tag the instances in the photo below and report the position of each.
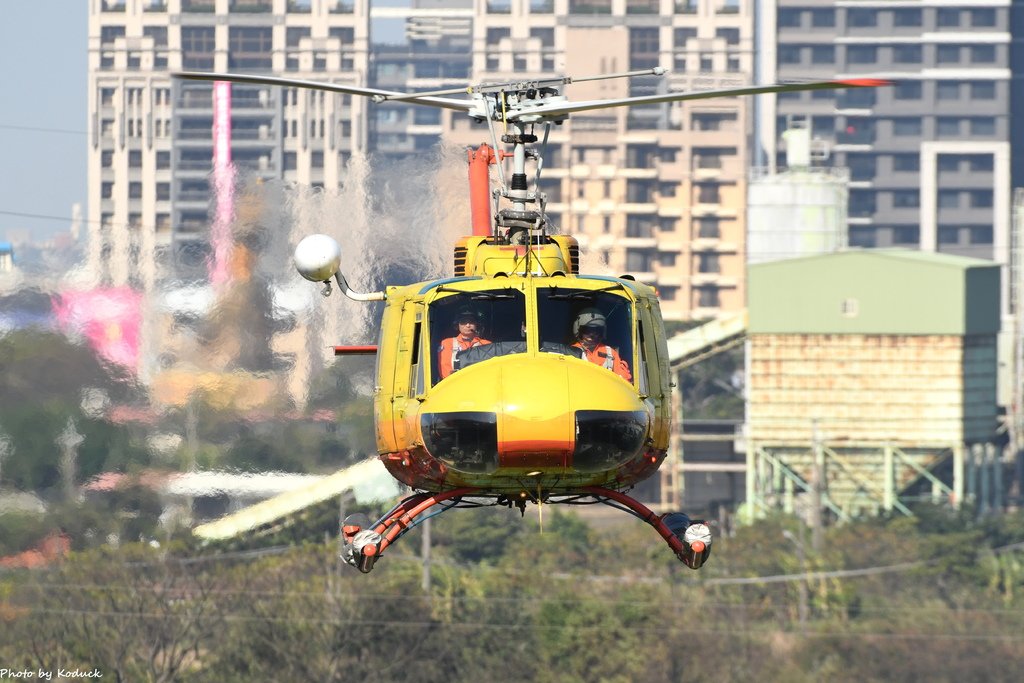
(472, 327)
(595, 325)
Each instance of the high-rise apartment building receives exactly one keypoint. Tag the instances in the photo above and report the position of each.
(930, 157)
(657, 191)
(151, 152)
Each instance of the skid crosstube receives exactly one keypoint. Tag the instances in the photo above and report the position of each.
(690, 540)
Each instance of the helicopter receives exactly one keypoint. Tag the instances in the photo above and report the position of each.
(524, 407)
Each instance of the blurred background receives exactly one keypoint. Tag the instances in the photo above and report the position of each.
(839, 273)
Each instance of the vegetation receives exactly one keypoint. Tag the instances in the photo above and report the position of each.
(569, 604)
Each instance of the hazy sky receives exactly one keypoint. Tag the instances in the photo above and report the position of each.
(43, 79)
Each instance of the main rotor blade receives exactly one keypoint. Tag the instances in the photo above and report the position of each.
(571, 107)
(442, 102)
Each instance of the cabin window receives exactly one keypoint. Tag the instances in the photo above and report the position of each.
(561, 312)
(498, 328)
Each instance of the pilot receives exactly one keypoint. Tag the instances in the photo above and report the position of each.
(467, 324)
(589, 329)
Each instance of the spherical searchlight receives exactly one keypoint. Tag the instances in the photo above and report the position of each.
(317, 258)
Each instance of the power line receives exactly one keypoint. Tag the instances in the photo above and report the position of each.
(504, 626)
(43, 130)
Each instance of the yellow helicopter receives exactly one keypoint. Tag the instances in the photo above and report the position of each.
(519, 380)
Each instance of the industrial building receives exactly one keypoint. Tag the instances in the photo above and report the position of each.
(872, 381)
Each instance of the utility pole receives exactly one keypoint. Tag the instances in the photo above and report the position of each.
(802, 606)
(817, 522)
(69, 440)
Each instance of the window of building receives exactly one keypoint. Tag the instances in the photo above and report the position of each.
(107, 190)
(949, 234)
(983, 54)
(789, 18)
(823, 54)
(980, 162)
(862, 18)
(980, 234)
(983, 90)
(948, 199)
(250, 47)
(135, 190)
(681, 35)
(906, 54)
(108, 34)
(983, 17)
(906, 199)
(707, 297)
(290, 161)
(163, 160)
(823, 18)
(947, 126)
(906, 125)
(862, 166)
(947, 17)
(708, 194)
(906, 234)
(639, 261)
(861, 54)
(983, 125)
(862, 236)
(644, 44)
(949, 162)
(981, 199)
(708, 228)
(134, 159)
(907, 90)
(546, 36)
(856, 98)
(163, 192)
(947, 54)
(731, 35)
(708, 263)
(906, 162)
(107, 158)
(862, 203)
(906, 17)
(823, 126)
(198, 44)
(947, 90)
(789, 54)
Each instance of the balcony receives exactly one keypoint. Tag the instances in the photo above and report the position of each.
(642, 6)
(590, 7)
(251, 6)
(204, 6)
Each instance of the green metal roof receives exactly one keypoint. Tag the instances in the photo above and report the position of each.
(875, 291)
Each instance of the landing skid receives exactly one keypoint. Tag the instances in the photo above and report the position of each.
(689, 539)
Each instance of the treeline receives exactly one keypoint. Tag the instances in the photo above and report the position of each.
(938, 598)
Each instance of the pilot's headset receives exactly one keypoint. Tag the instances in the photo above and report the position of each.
(588, 317)
(467, 312)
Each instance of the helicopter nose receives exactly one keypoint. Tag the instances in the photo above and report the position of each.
(551, 414)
